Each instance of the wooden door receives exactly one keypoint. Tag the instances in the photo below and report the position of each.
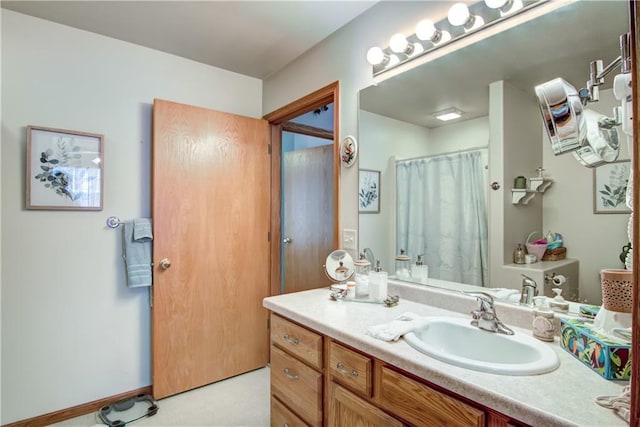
(211, 184)
(308, 217)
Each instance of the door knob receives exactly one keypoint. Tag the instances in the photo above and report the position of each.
(165, 263)
(287, 240)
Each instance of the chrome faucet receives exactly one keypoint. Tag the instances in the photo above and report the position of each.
(485, 316)
(529, 290)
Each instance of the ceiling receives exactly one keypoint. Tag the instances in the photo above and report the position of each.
(254, 38)
(559, 44)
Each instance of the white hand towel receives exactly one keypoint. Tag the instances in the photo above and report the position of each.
(392, 331)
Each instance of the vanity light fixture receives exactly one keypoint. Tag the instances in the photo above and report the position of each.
(448, 114)
(462, 21)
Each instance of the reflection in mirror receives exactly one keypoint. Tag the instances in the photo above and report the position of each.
(499, 137)
(339, 266)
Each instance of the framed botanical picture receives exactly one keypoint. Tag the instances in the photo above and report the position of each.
(610, 186)
(369, 191)
(64, 169)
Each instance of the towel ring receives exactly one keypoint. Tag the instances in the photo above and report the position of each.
(113, 222)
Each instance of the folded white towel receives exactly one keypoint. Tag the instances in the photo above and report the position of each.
(392, 331)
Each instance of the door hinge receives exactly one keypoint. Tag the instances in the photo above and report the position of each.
(268, 236)
(268, 323)
(269, 149)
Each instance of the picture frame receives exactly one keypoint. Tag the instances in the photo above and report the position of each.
(64, 169)
(368, 191)
(610, 186)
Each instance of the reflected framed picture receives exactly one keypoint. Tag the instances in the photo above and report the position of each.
(368, 191)
(610, 187)
(64, 169)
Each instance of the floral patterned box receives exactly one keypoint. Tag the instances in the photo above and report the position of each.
(609, 358)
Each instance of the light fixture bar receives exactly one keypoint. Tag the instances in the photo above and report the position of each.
(431, 36)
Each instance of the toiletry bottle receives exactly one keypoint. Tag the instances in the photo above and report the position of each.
(378, 283)
(518, 255)
(420, 271)
(558, 303)
(543, 326)
(403, 262)
(362, 276)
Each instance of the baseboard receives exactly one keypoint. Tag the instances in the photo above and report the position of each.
(76, 411)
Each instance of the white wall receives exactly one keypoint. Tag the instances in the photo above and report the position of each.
(595, 239)
(72, 332)
(382, 139)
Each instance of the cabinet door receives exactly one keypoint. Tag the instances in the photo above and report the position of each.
(424, 406)
(346, 409)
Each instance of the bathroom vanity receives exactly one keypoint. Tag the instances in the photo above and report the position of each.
(326, 371)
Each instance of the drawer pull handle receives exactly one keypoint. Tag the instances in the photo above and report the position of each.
(292, 341)
(290, 375)
(341, 368)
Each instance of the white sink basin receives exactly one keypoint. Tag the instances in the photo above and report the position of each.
(456, 341)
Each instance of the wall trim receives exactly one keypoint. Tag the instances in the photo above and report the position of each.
(76, 411)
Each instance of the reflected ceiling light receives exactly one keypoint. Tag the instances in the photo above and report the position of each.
(448, 114)
(460, 16)
(376, 56)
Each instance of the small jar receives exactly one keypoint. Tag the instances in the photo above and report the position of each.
(520, 182)
(543, 327)
(403, 263)
(519, 255)
(362, 267)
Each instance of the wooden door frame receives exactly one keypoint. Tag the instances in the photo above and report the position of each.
(323, 96)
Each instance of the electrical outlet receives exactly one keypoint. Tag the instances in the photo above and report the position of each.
(349, 239)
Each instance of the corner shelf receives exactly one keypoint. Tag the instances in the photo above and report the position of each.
(524, 195)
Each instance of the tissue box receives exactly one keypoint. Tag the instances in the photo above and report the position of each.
(609, 358)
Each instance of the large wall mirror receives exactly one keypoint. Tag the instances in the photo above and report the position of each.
(398, 134)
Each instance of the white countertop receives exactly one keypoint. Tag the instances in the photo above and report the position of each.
(564, 397)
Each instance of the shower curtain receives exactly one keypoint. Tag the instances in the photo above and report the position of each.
(441, 213)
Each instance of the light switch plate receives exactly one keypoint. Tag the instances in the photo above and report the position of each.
(349, 239)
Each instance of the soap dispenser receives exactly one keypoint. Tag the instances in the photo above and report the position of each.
(558, 303)
(402, 266)
(420, 271)
(378, 283)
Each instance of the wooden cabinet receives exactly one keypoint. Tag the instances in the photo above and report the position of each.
(296, 374)
(360, 390)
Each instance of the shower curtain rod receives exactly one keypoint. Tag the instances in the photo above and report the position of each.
(466, 150)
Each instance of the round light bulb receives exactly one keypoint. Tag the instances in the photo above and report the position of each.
(375, 56)
(425, 30)
(495, 4)
(458, 14)
(398, 43)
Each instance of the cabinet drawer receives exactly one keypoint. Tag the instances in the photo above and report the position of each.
(422, 405)
(305, 344)
(350, 369)
(281, 416)
(297, 385)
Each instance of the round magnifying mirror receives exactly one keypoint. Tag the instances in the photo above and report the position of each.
(339, 266)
